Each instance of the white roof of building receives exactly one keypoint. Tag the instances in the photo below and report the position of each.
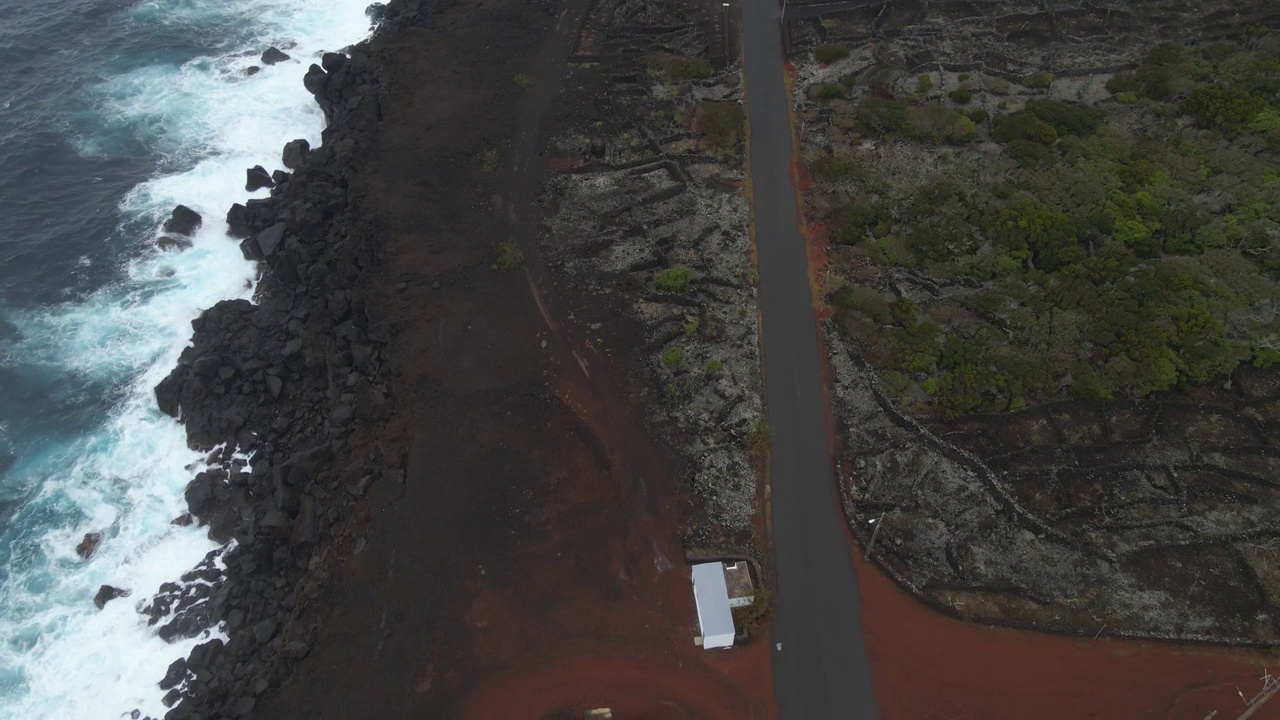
(712, 597)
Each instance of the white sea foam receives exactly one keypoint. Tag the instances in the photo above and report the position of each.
(59, 656)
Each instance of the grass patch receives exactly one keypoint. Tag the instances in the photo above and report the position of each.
(759, 437)
(677, 69)
(827, 54)
(827, 91)
(833, 169)
(674, 279)
(750, 616)
(524, 80)
(672, 357)
(723, 123)
(1039, 80)
(509, 256)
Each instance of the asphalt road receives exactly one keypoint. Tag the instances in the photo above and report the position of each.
(821, 670)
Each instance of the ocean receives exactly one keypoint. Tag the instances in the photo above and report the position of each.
(112, 113)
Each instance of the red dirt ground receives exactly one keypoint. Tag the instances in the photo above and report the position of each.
(929, 666)
(530, 562)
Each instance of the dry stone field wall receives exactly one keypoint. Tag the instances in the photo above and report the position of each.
(646, 223)
(1153, 517)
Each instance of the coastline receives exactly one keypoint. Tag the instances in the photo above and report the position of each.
(401, 418)
(287, 395)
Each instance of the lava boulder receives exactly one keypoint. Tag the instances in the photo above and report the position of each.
(183, 221)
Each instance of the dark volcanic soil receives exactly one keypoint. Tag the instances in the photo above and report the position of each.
(529, 562)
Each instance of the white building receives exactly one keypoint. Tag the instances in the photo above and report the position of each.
(711, 594)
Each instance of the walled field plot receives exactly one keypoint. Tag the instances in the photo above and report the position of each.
(646, 223)
(1025, 206)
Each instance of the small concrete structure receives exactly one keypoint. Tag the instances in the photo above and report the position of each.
(737, 578)
(712, 597)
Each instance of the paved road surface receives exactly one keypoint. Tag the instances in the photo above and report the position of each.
(822, 669)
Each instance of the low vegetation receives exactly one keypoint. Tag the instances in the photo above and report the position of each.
(1109, 250)
(723, 123)
(674, 279)
(678, 69)
(509, 256)
(759, 437)
(672, 357)
(827, 54)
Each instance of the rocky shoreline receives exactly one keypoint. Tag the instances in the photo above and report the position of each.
(288, 395)
(291, 395)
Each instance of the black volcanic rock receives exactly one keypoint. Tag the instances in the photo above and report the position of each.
(333, 62)
(183, 221)
(88, 545)
(177, 673)
(257, 177)
(273, 55)
(263, 245)
(315, 79)
(295, 153)
(238, 221)
(173, 242)
(107, 593)
(279, 385)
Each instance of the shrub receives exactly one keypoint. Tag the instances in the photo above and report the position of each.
(1223, 107)
(857, 221)
(509, 257)
(963, 77)
(524, 80)
(881, 78)
(924, 84)
(880, 116)
(674, 279)
(1030, 154)
(758, 438)
(672, 357)
(491, 160)
(1024, 126)
(937, 123)
(977, 115)
(682, 69)
(715, 367)
(1039, 80)
(722, 122)
(1122, 83)
(959, 131)
(750, 616)
(961, 96)
(827, 54)
(863, 299)
(1067, 118)
(827, 91)
(832, 168)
